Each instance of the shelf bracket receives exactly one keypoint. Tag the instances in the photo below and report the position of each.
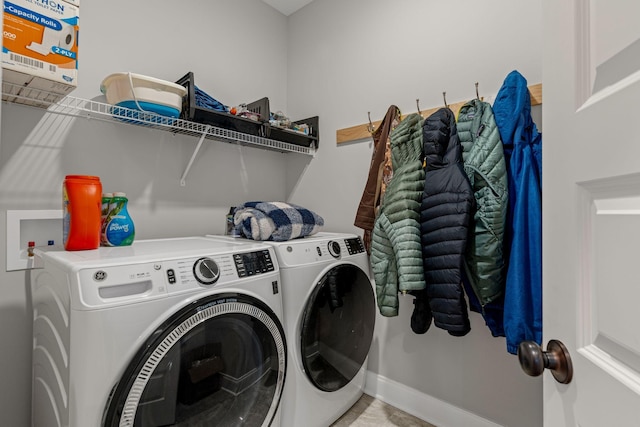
(183, 179)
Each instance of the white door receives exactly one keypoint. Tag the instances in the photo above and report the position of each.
(591, 209)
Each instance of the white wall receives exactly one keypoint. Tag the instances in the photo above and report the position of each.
(237, 50)
(350, 57)
(335, 59)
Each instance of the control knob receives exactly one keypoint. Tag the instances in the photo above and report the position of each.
(206, 271)
(334, 249)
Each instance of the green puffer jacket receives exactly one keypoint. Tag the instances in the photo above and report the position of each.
(484, 163)
(396, 250)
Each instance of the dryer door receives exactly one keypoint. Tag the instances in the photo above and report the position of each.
(218, 362)
(337, 327)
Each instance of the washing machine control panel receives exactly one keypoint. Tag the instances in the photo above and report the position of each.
(187, 273)
(252, 263)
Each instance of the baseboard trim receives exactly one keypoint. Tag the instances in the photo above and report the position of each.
(421, 405)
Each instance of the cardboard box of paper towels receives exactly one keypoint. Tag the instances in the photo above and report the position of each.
(39, 49)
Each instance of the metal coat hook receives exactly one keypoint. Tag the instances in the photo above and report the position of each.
(370, 128)
(477, 94)
(418, 106)
(444, 96)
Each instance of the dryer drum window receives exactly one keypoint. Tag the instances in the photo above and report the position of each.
(337, 327)
(218, 362)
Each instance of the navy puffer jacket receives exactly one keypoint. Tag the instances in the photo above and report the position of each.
(445, 216)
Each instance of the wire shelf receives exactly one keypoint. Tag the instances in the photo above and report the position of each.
(78, 107)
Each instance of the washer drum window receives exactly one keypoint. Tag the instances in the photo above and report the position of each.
(218, 362)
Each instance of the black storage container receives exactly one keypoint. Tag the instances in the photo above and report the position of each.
(294, 137)
(289, 135)
(194, 113)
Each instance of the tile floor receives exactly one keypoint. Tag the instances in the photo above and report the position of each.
(370, 412)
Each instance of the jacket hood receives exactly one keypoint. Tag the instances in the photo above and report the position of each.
(512, 109)
(440, 138)
(406, 141)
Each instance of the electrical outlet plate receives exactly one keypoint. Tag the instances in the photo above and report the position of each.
(23, 226)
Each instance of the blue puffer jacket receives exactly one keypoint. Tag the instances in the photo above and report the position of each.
(523, 153)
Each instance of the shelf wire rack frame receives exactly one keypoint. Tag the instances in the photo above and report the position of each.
(89, 109)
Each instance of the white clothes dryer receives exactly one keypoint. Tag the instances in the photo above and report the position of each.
(329, 314)
(167, 332)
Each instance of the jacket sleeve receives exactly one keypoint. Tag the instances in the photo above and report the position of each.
(384, 267)
(396, 252)
(523, 294)
(403, 212)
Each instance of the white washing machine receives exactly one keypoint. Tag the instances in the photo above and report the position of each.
(168, 332)
(329, 314)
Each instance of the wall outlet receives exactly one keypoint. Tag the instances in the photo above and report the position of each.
(43, 227)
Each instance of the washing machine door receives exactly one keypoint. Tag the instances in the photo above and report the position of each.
(220, 361)
(337, 327)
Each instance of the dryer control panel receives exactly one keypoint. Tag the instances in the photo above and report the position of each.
(299, 252)
(354, 245)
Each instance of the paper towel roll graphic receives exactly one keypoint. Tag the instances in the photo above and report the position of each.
(65, 38)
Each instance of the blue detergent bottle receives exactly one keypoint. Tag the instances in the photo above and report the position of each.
(119, 230)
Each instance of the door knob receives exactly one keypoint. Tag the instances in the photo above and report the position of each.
(533, 360)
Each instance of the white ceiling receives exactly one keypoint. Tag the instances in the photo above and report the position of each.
(287, 7)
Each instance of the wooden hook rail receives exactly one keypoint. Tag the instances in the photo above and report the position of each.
(358, 132)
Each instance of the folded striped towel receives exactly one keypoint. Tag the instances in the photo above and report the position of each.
(276, 221)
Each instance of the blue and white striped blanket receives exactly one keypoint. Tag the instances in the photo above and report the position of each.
(276, 221)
